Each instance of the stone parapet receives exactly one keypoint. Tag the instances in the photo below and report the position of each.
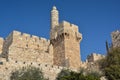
(26, 40)
(95, 57)
(25, 47)
(66, 25)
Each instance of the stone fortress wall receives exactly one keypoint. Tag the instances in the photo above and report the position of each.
(24, 47)
(94, 57)
(49, 71)
(22, 50)
(92, 61)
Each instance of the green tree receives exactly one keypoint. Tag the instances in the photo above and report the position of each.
(71, 75)
(92, 76)
(27, 73)
(111, 64)
(113, 72)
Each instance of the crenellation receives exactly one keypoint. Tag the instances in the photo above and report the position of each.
(75, 27)
(68, 26)
(16, 33)
(43, 39)
(65, 24)
(26, 36)
(1, 39)
(24, 46)
(94, 57)
(36, 38)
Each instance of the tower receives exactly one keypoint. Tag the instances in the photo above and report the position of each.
(65, 39)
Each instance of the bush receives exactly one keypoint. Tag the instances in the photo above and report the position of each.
(27, 73)
(71, 75)
(111, 64)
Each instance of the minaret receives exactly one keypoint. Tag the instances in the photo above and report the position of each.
(54, 17)
(54, 22)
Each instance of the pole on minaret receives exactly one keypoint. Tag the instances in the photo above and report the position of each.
(54, 17)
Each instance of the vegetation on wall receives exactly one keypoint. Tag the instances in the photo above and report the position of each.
(110, 67)
(71, 75)
(27, 73)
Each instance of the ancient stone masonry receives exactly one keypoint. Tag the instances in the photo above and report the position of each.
(94, 57)
(23, 47)
(92, 62)
(50, 71)
(65, 39)
(115, 38)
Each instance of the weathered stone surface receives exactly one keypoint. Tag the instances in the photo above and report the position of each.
(94, 57)
(66, 45)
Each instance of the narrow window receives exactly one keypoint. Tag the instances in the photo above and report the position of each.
(26, 45)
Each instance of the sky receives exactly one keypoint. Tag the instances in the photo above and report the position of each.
(96, 19)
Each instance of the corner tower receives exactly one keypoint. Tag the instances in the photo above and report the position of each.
(65, 39)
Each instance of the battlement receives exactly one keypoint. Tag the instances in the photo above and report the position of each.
(66, 24)
(94, 57)
(117, 31)
(66, 29)
(1, 39)
(28, 36)
(26, 40)
(27, 48)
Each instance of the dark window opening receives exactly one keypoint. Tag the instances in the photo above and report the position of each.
(23, 62)
(26, 45)
(52, 66)
(15, 61)
(38, 46)
(1, 63)
(46, 65)
(38, 64)
(6, 68)
(65, 33)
